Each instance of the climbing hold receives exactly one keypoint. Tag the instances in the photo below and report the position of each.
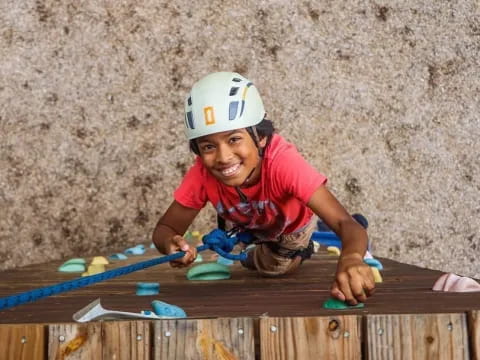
(136, 250)
(73, 265)
(94, 269)
(147, 288)
(376, 275)
(316, 247)
(209, 271)
(152, 246)
(333, 250)
(199, 258)
(332, 303)
(224, 261)
(161, 308)
(373, 263)
(99, 260)
(118, 256)
(454, 283)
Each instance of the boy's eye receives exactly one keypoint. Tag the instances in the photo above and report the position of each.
(235, 139)
(207, 147)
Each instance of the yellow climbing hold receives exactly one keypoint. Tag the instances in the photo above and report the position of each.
(376, 275)
(99, 260)
(94, 269)
(316, 247)
(196, 234)
(333, 250)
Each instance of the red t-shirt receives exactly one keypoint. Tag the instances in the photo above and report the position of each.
(276, 205)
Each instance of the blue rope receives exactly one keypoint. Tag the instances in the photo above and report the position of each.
(39, 293)
(217, 240)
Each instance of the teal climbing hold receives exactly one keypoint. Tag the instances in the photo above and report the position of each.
(336, 304)
(224, 261)
(209, 271)
(136, 250)
(118, 256)
(147, 288)
(373, 263)
(163, 309)
(73, 265)
(199, 258)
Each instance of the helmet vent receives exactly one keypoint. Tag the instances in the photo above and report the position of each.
(189, 101)
(232, 110)
(234, 91)
(190, 120)
(236, 80)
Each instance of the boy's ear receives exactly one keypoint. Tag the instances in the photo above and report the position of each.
(263, 142)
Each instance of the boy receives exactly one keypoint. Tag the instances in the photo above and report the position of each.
(258, 181)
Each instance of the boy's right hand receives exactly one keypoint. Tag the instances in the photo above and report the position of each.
(178, 243)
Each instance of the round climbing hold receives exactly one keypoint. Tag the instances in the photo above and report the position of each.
(147, 288)
(332, 303)
(209, 271)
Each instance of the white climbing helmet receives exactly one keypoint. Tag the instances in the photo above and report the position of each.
(222, 101)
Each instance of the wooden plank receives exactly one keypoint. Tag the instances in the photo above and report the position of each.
(75, 341)
(126, 340)
(226, 339)
(474, 332)
(22, 341)
(303, 338)
(419, 336)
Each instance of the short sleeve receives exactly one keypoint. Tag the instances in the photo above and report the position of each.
(295, 176)
(191, 192)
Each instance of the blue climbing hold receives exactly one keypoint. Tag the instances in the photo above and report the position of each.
(118, 256)
(147, 288)
(136, 250)
(373, 263)
(163, 309)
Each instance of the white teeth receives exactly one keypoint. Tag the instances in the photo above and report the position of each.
(231, 170)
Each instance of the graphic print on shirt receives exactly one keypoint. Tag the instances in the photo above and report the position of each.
(255, 215)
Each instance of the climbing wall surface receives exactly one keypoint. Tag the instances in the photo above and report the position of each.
(381, 98)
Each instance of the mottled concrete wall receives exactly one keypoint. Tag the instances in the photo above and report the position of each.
(383, 97)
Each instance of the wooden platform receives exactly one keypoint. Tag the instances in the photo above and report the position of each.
(245, 317)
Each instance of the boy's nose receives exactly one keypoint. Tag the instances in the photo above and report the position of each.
(224, 154)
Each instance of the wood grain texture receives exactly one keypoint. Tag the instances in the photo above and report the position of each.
(22, 342)
(215, 339)
(75, 341)
(126, 340)
(415, 337)
(474, 333)
(405, 289)
(305, 338)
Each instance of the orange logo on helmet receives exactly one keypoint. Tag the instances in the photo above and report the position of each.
(209, 115)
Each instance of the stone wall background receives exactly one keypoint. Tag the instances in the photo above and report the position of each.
(382, 97)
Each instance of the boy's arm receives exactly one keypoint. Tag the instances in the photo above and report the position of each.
(168, 234)
(354, 280)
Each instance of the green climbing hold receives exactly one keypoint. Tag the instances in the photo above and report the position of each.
(209, 271)
(73, 265)
(336, 304)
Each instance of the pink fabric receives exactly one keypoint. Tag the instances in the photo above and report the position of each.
(454, 283)
(275, 205)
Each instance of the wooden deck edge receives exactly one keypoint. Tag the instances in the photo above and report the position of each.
(375, 336)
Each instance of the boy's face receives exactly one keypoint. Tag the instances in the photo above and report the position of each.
(232, 157)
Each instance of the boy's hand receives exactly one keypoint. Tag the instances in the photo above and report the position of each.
(178, 243)
(354, 280)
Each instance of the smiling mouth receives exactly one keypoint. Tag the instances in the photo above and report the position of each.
(230, 171)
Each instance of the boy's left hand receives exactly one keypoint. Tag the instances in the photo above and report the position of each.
(354, 280)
